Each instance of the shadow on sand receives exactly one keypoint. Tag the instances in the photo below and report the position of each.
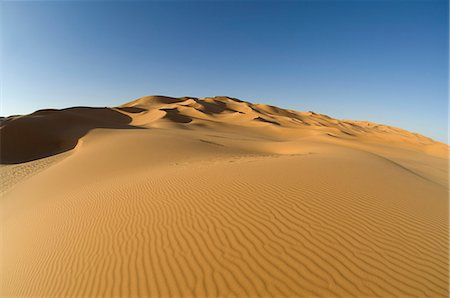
(48, 132)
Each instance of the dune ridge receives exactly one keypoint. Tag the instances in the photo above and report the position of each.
(55, 131)
(212, 197)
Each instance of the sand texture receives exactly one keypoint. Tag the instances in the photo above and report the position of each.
(213, 197)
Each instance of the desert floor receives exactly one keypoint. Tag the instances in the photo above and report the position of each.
(220, 198)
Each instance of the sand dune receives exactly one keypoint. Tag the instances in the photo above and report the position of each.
(182, 197)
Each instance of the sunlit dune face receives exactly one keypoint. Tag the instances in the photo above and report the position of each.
(183, 197)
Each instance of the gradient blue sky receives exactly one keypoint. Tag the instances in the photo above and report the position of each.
(382, 61)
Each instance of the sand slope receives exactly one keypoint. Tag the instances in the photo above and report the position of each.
(216, 197)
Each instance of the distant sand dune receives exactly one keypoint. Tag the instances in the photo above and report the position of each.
(223, 205)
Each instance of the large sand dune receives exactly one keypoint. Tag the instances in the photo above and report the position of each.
(178, 197)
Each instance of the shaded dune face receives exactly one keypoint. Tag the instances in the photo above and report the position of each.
(49, 132)
(175, 116)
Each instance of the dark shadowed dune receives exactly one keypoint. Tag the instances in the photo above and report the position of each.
(48, 132)
(175, 116)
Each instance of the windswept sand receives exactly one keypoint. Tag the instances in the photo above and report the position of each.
(178, 197)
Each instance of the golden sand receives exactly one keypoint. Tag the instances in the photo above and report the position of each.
(179, 197)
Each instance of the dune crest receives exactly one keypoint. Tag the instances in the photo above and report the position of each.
(209, 197)
(48, 132)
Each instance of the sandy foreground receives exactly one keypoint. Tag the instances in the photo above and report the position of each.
(178, 197)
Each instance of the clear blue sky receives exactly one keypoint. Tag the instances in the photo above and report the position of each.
(382, 61)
